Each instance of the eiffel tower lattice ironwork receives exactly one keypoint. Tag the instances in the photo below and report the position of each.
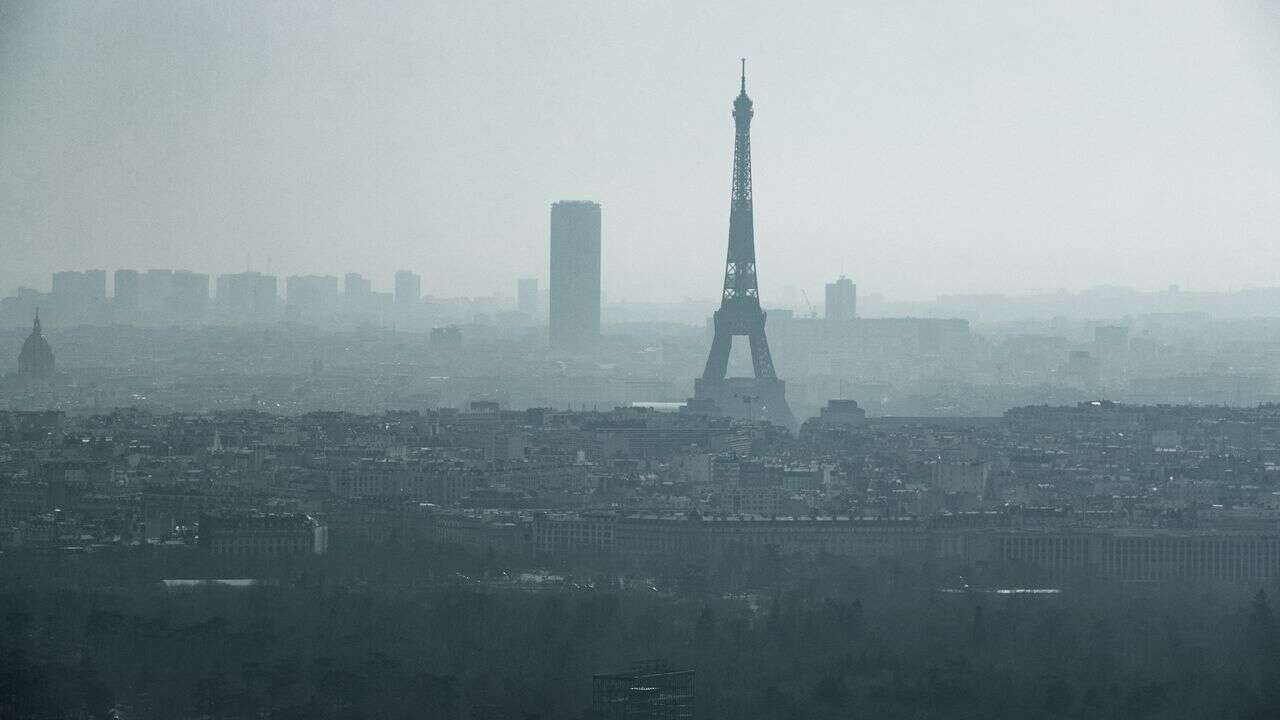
(740, 313)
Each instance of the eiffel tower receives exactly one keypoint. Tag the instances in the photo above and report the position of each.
(762, 396)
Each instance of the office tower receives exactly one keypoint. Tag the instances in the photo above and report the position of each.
(762, 396)
(842, 300)
(248, 294)
(575, 274)
(408, 290)
(527, 296)
(125, 290)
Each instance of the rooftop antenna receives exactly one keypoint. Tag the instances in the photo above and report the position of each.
(744, 76)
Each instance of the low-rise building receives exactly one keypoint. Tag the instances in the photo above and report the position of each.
(261, 534)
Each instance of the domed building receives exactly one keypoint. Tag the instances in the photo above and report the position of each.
(35, 362)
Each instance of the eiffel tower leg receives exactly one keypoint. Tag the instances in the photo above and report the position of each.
(760, 357)
(718, 360)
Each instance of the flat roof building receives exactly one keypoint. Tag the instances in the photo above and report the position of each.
(408, 288)
(842, 300)
(575, 274)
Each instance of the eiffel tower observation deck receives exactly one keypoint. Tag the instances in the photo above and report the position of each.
(762, 396)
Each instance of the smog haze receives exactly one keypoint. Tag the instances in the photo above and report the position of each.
(919, 147)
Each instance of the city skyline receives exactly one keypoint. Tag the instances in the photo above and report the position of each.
(1095, 160)
(405, 360)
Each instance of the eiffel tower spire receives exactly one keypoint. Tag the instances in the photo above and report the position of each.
(740, 312)
(761, 396)
(740, 266)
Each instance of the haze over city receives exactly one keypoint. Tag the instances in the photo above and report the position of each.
(639, 362)
(921, 148)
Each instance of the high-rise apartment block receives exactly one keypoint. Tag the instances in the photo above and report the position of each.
(160, 295)
(189, 293)
(250, 294)
(312, 297)
(575, 274)
(408, 290)
(842, 300)
(174, 294)
(355, 285)
(125, 289)
(87, 286)
(357, 297)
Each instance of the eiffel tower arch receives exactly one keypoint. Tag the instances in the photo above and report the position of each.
(761, 396)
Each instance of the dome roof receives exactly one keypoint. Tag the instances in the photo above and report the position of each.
(36, 358)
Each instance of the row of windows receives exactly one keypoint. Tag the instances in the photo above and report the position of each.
(234, 547)
(1151, 558)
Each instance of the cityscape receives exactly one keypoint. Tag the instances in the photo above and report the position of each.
(284, 494)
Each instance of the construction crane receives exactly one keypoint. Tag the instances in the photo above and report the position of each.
(812, 313)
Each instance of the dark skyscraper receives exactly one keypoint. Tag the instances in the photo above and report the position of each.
(575, 274)
(762, 396)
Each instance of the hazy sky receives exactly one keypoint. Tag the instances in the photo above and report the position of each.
(919, 147)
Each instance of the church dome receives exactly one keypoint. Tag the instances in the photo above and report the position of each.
(36, 358)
